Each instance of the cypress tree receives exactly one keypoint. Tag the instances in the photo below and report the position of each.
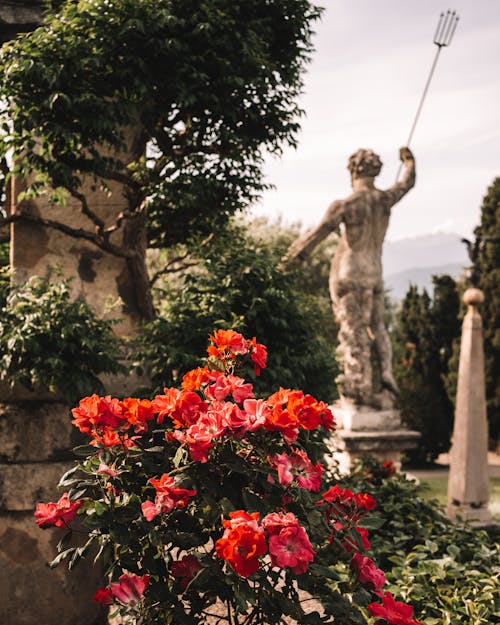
(423, 338)
(487, 263)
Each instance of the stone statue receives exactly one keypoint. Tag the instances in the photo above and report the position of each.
(356, 285)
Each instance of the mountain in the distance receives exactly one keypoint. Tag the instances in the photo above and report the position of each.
(415, 260)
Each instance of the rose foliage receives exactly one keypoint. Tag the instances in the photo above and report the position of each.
(209, 501)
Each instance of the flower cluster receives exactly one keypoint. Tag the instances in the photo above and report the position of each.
(245, 540)
(228, 344)
(109, 421)
(207, 488)
(168, 497)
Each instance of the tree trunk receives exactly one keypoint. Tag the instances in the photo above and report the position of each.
(134, 239)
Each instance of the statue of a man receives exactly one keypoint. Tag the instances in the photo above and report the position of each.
(356, 285)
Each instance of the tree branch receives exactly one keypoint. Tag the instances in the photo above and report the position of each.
(77, 233)
(126, 214)
(95, 219)
(168, 267)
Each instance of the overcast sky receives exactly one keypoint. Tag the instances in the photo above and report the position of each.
(362, 89)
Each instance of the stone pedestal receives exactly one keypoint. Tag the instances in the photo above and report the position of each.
(468, 482)
(365, 430)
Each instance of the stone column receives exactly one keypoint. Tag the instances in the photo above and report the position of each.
(468, 483)
(36, 434)
(35, 430)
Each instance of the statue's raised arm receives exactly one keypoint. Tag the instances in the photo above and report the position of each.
(400, 188)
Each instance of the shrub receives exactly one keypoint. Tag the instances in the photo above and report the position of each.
(51, 340)
(206, 501)
(449, 572)
(238, 285)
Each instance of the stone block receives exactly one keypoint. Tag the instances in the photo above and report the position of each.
(350, 416)
(35, 431)
(31, 593)
(348, 446)
(22, 485)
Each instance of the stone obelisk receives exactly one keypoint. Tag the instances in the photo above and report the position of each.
(468, 485)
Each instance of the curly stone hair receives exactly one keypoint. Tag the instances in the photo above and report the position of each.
(364, 164)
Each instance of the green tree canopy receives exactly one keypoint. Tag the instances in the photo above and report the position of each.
(207, 86)
(211, 84)
(423, 339)
(488, 265)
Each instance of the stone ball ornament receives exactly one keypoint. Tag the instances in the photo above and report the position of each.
(473, 297)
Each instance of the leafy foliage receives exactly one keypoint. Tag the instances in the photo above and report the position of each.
(449, 571)
(423, 340)
(238, 284)
(48, 339)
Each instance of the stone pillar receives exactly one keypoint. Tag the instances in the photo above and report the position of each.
(36, 434)
(366, 430)
(97, 276)
(468, 483)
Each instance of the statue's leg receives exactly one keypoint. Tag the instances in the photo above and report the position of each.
(382, 342)
(353, 313)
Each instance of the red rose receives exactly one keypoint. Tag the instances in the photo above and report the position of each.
(58, 514)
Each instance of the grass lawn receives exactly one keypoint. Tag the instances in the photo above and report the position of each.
(438, 487)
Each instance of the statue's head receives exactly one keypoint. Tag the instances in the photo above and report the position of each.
(364, 164)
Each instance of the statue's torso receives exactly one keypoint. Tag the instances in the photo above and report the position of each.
(358, 259)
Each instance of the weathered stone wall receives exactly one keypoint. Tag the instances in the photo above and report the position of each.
(35, 438)
(18, 16)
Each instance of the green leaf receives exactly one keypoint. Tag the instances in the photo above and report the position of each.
(85, 451)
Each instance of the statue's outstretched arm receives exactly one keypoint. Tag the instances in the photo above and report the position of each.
(303, 246)
(396, 192)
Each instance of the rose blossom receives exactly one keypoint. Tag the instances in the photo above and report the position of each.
(242, 543)
(297, 466)
(185, 570)
(289, 545)
(59, 514)
(367, 573)
(168, 497)
(129, 588)
(392, 611)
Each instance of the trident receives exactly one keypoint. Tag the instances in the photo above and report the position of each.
(444, 34)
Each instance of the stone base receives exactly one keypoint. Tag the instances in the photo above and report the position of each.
(466, 512)
(351, 416)
(348, 446)
(35, 439)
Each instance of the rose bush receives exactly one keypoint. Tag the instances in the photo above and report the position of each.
(208, 501)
